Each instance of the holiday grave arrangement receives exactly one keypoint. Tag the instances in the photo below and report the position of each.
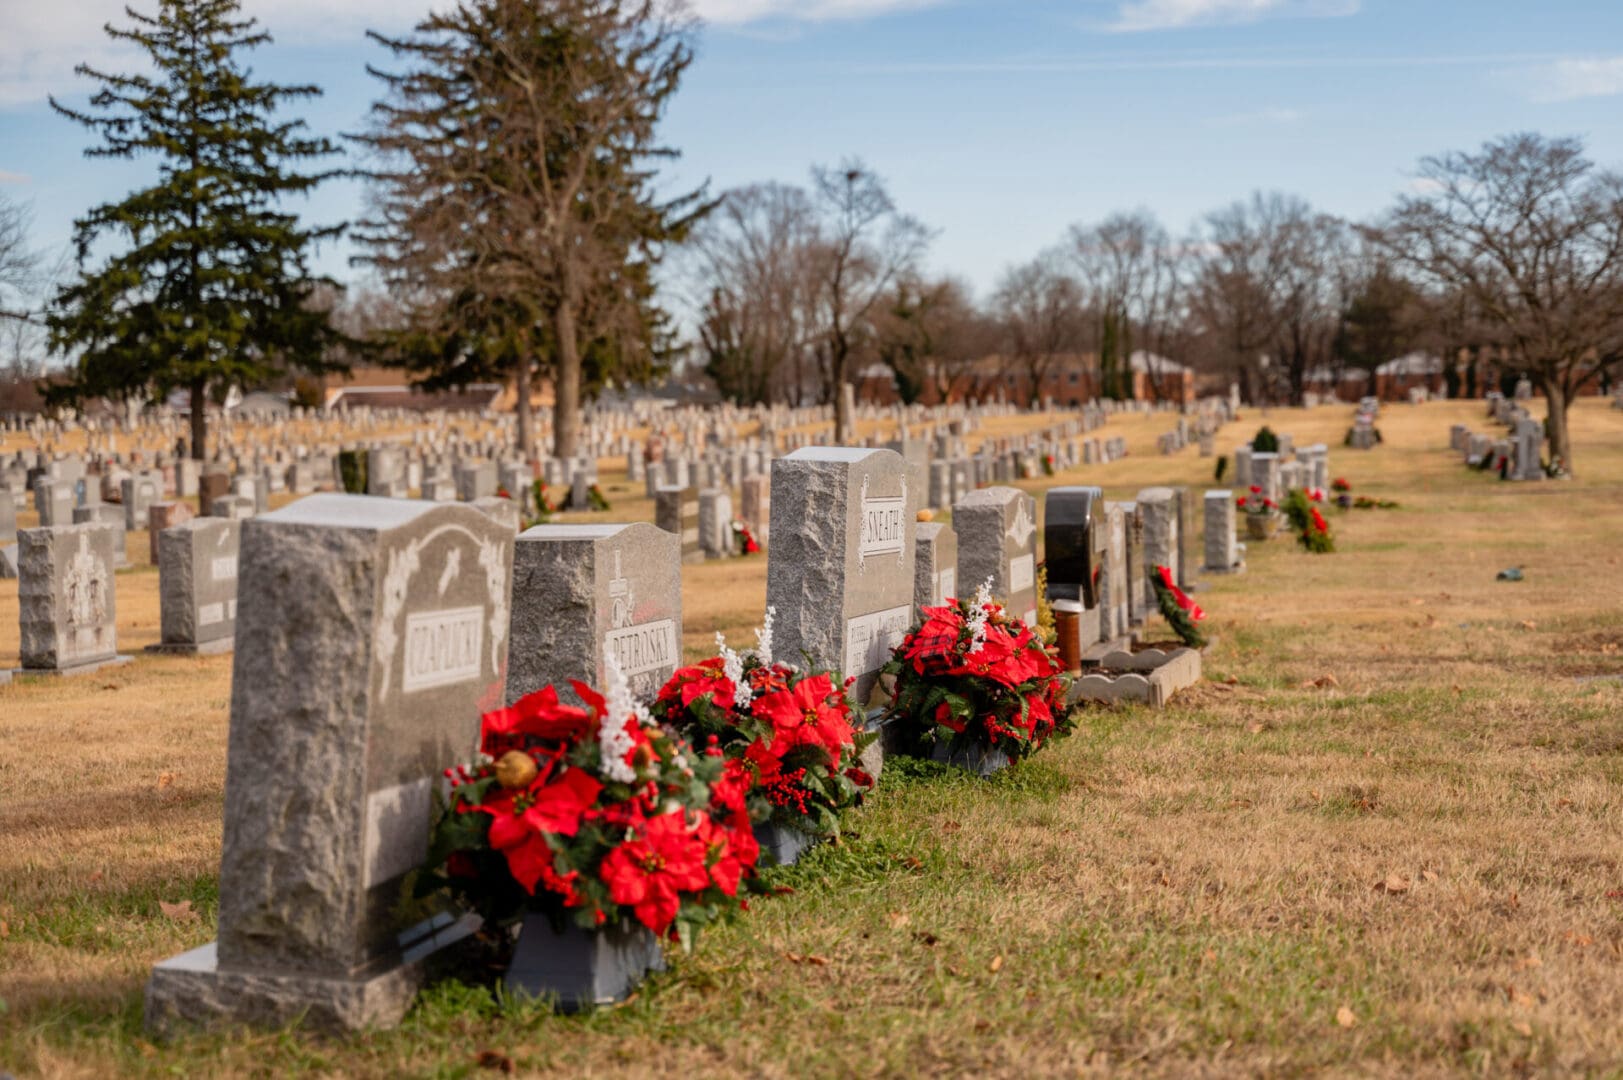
(790, 734)
(976, 687)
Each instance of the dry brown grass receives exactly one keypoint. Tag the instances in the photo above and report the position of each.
(1432, 848)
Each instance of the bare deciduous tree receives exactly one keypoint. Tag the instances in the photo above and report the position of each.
(1131, 269)
(1041, 316)
(1240, 280)
(1532, 232)
(867, 245)
(752, 263)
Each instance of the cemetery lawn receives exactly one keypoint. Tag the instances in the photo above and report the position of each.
(1385, 837)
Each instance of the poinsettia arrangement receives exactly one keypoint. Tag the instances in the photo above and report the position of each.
(1180, 612)
(593, 813)
(1312, 530)
(745, 539)
(1340, 483)
(1255, 505)
(790, 733)
(974, 676)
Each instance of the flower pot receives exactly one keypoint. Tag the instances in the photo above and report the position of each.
(1259, 526)
(978, 759)
(582, 968)
(783, 843)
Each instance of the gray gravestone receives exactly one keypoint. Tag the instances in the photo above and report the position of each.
(1113, 614)
(840, 572)
(1158, 506)
(1222, 552)
(676, 510)
(584, 592)
(716, 523)
(139, 493)
(935, 565)
(67, 614)
(371, 633)
(197, 586)
(997, 540)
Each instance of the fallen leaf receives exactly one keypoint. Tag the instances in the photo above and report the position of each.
(1516, 997)
(1254, 728)
(1394, 883)
(491, 1059)
(1232, 680)
(5, 929)
(1531, 960)
(1522, 1028)
(166, 780)
(95, 876)
(898, 919)
(912, 862)
(1345, 1017)
(1529, 624)
(181, 912)
(996, 965)
(1418, 600)
(1458, 689)
(1428, 875)
(951, 827)
(1562, 804)
(1210, 956)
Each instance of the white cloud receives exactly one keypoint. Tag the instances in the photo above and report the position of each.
(44, 41)
(1573, 78)
(1138, 15)
(735, 12)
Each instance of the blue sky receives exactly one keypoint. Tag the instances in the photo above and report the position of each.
(997, 122)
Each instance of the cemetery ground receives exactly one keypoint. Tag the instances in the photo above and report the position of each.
(1385, 836)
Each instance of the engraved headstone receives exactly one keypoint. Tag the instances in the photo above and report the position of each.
(1158, 506)
(371, 634)
(584, 592)
(997, 540)
(716, 523)
(66, 600)
(161, 516)
(840, 572)
(197, 586)
(1113, 612)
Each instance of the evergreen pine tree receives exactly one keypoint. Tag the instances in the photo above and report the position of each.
(517, 201)
(209, 285)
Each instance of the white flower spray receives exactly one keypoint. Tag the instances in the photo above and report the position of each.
(613, 740)
(763, 639)
(732, 666)
(979, 613)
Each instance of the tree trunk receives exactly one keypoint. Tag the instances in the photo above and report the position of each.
(566, 389)
(1556, 403)
(200, 419)
(842, 415)
(526, 420)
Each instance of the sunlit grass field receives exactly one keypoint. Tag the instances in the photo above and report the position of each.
(1414, 867)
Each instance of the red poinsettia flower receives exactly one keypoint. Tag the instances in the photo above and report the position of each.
(689, 684)
(802, 716)
(989, 658)
(1318, 520)
(650, 871)
(728, 855)
(522, 818)
(1256, 489)
(537, 716)
(1240, 501)
(944, 717)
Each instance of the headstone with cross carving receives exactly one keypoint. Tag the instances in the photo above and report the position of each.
(65, 599)
(997, 541)
(582, 593)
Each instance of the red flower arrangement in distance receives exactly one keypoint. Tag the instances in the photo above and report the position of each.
(595, 813)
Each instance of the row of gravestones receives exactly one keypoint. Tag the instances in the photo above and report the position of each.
(372, 633)
(1517, 456)
(1287, 469)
